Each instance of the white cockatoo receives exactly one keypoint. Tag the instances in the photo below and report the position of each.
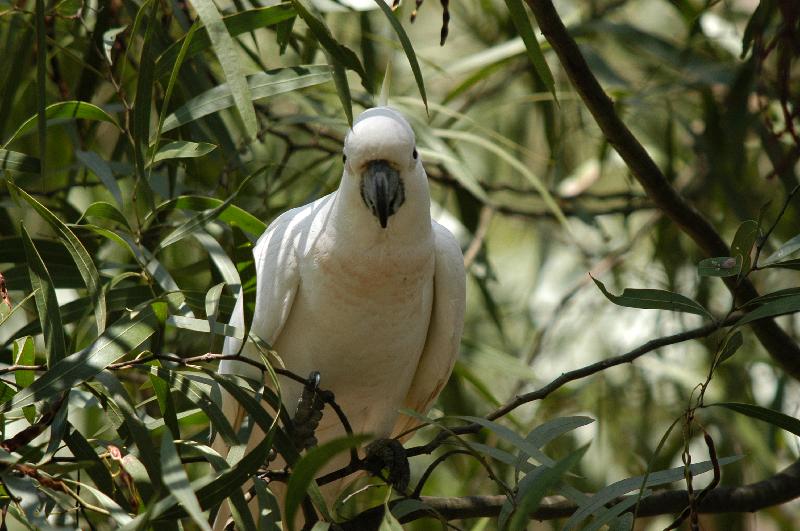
(362, 286)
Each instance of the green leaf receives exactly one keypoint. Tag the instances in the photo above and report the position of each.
(535, 485)
(83, 261)
(757, 24)
(389, 522)
(188, 386)
(781, 306)
(342, 54)
(133, 429)
(787, 264)
(407, 48)
(230, 214)
(165, 403)
(519, 16)
(24, 354)
(785, 250)
(211, 491)
(144, 92)
(46, 303)
(183, 149)
(41, 88)
(202, 218)
(173, 77)
(603, 518)
(743, 243)
(177, 482)
(653, 299)
(19, 162)
(342, 88)
(624, 486)
(236, 24)
(100, 167)
(307, 468)
(720, 266)
(262, 85)
(82, 450)
(118, 339)
(519, 442)
(64, 110)
(775, 295)
(221, 260)
(104, 210)
(731, 346)
(201, 325)
(116, 512)
(226, 51)
(776, 418)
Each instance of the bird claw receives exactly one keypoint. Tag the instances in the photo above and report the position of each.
(308, 415)
(389, 454)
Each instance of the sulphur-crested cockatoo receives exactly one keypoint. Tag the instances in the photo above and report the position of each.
(362, 286)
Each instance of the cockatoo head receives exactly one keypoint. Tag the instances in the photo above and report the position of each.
(380, 152)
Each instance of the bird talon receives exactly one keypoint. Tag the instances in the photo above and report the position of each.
(309, 414)
(388, 454)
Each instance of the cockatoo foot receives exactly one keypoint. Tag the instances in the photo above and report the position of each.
(388, 454)
(309, 413)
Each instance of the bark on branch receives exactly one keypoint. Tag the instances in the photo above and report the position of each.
(780, 488)
(778, 343)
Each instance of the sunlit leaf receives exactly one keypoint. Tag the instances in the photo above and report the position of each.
(118, 339)
(177, 481)
(770, 416)
(261, 85)
(228, 56)
(408, 49)
(83, 261)
(236, 24)
(183, 149)
(653, 299)
(18, 162)
(61, 111)
(785, 251)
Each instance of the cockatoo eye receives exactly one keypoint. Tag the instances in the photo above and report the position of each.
(414, 154)
(344, 158)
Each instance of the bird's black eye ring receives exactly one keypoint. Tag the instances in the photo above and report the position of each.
(414, 154)
(344, 158)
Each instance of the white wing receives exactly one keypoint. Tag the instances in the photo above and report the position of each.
(277, 280)
(444, 331)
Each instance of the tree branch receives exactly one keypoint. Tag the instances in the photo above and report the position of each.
(775, 490)
(583, 372)
(778, 343)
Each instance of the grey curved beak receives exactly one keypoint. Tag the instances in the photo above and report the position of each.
(382, 190)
